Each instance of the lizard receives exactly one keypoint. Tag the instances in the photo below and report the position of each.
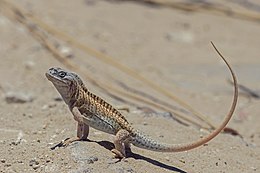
(90, 110)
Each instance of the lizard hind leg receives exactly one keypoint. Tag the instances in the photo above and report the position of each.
(121, 142)
(82, 131)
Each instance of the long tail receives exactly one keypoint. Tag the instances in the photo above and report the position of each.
(142, 141)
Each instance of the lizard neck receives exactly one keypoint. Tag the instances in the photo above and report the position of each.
(78, 98)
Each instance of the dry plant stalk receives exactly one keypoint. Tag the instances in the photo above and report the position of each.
(205, 7)
(36, 27)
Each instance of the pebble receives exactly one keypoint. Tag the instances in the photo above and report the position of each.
(34, 163)
(58, 99)
(184, 37)
(66, 51)
(145, 123)
(8, 165)
(50, 144)
(2, 160)
(18, 97)
(182, 161)
(123, 169)
(29, 65)
(30, 115)
(47, 106)
(92, 159)
(44, 127)
(35, 166)
(167, 158)
(167, 114)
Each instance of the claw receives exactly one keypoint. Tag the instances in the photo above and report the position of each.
(65, 143)
(118, 154)
(60, 144)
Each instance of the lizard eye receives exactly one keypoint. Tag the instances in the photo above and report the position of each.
(62, 74)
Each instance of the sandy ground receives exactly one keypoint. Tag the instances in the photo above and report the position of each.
(167, 46)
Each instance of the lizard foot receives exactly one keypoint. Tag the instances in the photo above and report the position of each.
(66, 142)
(118, 154)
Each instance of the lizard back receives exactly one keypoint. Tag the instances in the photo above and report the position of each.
(101, 115)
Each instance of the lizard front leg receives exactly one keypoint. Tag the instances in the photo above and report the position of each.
(121, 142)
(82, 134)
(82, 130)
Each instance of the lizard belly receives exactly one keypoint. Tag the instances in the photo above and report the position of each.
(99, 124)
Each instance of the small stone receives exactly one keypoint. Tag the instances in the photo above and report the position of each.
(167, 114)
(2, 160)
(30, 115)
(167, 158)
(184, 37)
(182, 161)
(7, 165)
(92, 159)
(33, 162)
(18, 97)
(58, 99)
(65, 51)
(29, 65)
(40, 132)
(53, 137)
(123, 169)
(50, 144)
(45, 107)
(35, 166)
(44, 126)
(57, 131)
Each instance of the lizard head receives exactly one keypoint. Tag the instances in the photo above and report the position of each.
(67, 83)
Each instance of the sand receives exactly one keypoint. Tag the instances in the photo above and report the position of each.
(167, 46)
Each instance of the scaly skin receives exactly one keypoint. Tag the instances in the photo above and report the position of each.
(90, 110)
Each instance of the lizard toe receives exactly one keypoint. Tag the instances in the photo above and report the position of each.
(118, 154)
